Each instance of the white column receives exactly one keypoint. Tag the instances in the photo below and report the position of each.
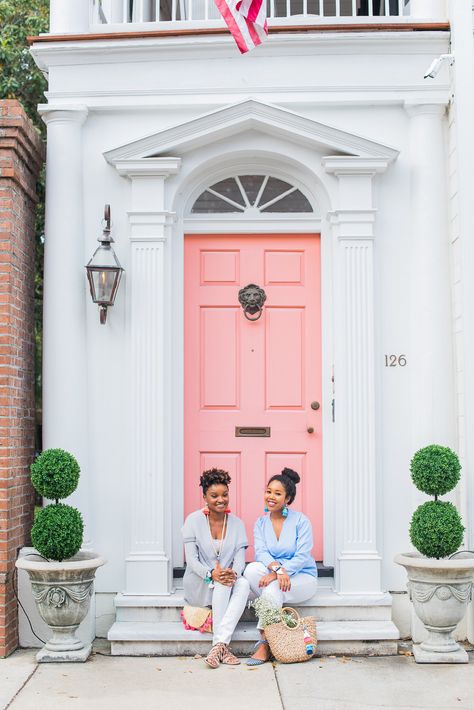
(148, 563)
(69, 16)
(428, 10)
(358, 560)
(431, 361)
(64, 350)
(461, 18)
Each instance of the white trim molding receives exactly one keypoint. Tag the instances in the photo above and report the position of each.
(148, 563)
(358, 562)
(242, 116)
(344, 187)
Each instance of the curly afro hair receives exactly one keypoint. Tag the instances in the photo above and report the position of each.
(288, 478)
(213, 476)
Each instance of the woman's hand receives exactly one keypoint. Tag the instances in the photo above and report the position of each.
(267, 579)
(225, 576)
(284, 582)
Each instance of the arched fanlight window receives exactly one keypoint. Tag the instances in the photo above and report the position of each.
(252, 194)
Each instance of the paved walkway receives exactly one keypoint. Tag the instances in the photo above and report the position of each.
(180, 683)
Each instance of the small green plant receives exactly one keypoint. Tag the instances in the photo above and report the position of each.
(435, 470)
(268, 613)
(58, 528)
(436, 528)
(55, 474)
(57, 532)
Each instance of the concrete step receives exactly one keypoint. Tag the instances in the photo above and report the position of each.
(172, 639)
(325, 605)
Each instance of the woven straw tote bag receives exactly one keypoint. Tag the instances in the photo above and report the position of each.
(292, 645)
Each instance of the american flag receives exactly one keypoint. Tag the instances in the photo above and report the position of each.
(246, 20)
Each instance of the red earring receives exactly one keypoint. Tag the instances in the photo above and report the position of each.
(205, 510)
(227, 510)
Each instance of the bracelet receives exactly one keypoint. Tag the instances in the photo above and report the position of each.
(208, 577)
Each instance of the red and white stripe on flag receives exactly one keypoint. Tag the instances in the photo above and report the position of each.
(246, 20)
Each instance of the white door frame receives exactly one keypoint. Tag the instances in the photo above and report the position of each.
(162, 189)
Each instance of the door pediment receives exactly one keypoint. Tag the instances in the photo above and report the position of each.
(250, 115)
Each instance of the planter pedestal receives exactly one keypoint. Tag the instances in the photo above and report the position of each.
(62, 592)
(79, 655)
(422, 656)
(440, 591)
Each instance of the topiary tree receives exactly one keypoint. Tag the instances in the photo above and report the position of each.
(58, 529)
(436, 528)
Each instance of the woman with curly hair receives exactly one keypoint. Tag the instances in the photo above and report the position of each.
(214, 544)
(284, 571)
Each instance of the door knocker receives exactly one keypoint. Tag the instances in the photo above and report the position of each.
(252, 298)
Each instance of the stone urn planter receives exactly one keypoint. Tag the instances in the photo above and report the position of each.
(440, 591)
(62, 592)
(61, 576)
(439, 578)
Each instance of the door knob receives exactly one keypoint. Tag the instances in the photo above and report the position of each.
(315, 405)
(310, 430)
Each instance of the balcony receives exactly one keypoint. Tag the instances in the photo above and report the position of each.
(111, 17)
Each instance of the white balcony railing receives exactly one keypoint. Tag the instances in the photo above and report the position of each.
(199, 13)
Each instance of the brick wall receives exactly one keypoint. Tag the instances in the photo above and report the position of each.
(21, 156)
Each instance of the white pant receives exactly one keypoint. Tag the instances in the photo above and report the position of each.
(228, 604)
(303, 586)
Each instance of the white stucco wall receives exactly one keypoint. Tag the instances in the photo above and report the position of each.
(358, 83)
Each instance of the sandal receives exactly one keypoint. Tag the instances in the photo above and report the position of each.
(228, 657)
(214, 656)
(257, 661)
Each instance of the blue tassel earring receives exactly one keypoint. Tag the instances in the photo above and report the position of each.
(265, 510)
(284, 512)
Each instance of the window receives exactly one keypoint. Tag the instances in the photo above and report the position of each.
(251, 194)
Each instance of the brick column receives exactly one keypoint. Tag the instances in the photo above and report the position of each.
(21, 156)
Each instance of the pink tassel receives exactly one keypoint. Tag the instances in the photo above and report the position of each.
(205, 628)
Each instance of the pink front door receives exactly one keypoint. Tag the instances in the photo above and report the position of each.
(263, 374)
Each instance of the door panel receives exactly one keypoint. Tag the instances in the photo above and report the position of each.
(254, 374)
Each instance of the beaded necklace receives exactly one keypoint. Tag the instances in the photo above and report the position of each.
(218, 549)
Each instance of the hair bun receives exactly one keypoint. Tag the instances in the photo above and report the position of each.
(292, 475)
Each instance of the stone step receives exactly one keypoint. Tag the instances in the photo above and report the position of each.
(325, 605)
(172, 639)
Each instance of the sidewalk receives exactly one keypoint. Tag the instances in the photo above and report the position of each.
(174, 683)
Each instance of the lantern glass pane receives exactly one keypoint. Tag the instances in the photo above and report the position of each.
(104, 282)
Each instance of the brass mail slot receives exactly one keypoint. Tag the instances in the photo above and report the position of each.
(253, 431)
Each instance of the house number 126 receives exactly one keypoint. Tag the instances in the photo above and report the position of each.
(395, 360)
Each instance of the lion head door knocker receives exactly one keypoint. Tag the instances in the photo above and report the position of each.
(252, 298)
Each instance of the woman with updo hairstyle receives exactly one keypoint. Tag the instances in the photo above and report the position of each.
(284, 571)
(214, 543)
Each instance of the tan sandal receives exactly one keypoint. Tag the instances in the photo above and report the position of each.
(228, 657)
(214, 656)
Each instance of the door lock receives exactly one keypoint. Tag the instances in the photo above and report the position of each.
(310, 430)
(315, 405)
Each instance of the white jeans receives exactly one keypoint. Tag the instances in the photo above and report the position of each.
(228, 604)
(303, 586)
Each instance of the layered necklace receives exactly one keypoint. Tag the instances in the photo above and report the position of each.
(217, 548)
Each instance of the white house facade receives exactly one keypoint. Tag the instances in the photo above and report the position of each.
(150, 108)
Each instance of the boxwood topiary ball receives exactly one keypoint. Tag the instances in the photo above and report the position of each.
(435, 470)
(436, 529)
(57, 531)
(55, 474)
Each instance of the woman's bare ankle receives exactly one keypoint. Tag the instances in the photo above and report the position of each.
(262, 653)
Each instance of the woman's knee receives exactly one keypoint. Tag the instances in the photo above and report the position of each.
(242, 585)
(254, 570)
